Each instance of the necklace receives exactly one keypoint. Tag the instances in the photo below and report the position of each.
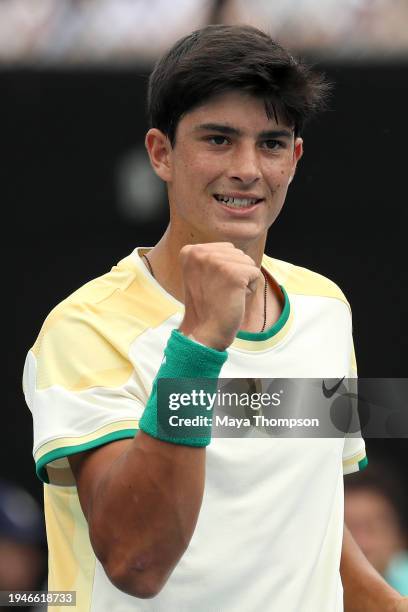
(149, 265)
(265, 294)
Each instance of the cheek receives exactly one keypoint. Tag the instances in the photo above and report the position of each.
(280, 183)
(205, 167)
(278, 175)
(200, 166)
(184, 177)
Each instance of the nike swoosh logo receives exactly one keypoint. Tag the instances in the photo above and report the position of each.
(329, 392)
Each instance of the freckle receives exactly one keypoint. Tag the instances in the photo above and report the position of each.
(282, 171)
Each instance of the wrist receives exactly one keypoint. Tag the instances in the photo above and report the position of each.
(204, 338)
(188, 363)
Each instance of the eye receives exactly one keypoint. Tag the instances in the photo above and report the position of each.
(218, 140)
(273, 145)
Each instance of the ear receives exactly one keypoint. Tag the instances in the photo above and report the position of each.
(159, 149)
(297, 154)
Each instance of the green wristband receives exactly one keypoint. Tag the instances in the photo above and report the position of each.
(183, 359)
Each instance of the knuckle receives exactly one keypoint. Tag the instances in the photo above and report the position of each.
(221, 267)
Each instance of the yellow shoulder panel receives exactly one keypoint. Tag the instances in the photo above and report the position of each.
(85, 340)
(68, 542)
(302, 281)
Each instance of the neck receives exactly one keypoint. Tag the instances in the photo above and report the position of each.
(164, 260)
(165, 254)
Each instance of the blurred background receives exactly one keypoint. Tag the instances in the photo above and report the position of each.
(73, 77)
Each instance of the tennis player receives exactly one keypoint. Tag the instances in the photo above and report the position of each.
(140, 519)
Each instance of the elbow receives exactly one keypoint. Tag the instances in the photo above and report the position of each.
(132, 572)
(138, 568)
(140, 584)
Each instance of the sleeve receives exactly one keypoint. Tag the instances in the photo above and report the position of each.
(81, 388)
(354, 452)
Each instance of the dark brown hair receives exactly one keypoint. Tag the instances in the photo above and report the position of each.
(221, 58)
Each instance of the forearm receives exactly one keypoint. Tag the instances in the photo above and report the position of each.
(152, 495)
(364, 588)
(153, 491)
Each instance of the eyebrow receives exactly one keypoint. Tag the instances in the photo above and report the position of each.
(231, 131)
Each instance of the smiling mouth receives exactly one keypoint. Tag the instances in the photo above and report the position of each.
(236, 202)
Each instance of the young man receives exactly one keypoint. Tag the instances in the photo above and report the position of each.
(245, 524)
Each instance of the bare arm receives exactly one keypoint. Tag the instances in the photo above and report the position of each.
(364, 588)
(141, 498)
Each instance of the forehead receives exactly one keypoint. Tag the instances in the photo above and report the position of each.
(239, 110)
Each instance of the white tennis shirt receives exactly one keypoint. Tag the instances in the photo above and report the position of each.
(269, 533)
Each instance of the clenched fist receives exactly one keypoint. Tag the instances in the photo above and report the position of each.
(217, 278)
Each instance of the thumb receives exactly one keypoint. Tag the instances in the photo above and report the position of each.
(252, 285)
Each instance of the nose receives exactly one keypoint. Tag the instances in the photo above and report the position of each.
(244, 165)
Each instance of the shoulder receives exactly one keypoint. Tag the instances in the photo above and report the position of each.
(118, 300)
(302, 281)
(87, 336)
(87, 304)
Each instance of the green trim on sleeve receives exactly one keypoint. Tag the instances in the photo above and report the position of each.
(276, 327)
(363, 463)
(66, 451)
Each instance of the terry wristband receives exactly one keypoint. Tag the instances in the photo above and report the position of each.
(183, 359)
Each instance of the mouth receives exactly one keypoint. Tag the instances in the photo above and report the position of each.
(236, 202)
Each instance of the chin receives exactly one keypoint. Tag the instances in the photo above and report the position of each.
(240, 236)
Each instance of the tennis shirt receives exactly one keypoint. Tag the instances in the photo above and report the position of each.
(269, 533)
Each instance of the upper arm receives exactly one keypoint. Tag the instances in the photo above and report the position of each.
(89, 467)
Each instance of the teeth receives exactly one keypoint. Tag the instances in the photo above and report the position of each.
(236, 202)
